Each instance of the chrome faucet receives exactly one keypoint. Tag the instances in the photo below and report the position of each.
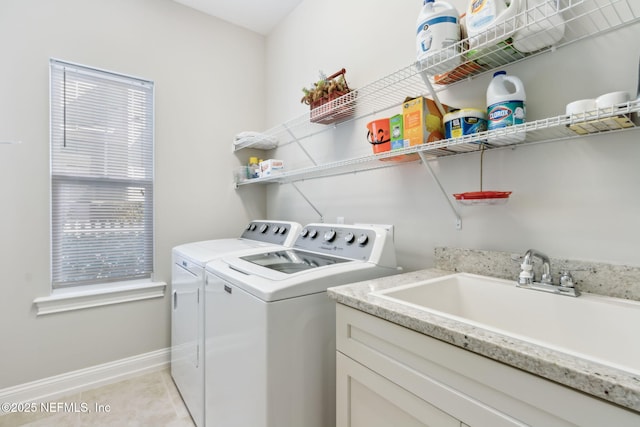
(527, 276)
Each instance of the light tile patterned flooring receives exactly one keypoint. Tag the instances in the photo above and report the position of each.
(148, 400)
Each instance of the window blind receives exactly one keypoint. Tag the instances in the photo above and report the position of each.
(101, 176)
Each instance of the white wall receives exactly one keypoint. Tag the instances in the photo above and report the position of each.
(209, 85)
(574, 199)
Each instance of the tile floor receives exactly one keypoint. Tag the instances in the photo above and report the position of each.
(149, 400)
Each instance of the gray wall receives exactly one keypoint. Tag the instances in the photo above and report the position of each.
(209, 84)
(573, 199)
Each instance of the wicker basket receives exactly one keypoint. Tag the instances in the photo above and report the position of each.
(337, 106)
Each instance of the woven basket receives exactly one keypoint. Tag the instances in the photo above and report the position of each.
(336, 107)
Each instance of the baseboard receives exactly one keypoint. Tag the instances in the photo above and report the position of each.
(51, 388)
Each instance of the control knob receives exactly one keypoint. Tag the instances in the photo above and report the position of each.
(329, 235)
(304, 233)
(363, 239)
(349, 238)
(264, 228)
(313, 234)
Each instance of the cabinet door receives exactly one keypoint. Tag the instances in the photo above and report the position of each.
(366, 399)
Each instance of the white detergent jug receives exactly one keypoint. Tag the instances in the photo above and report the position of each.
(542, 25)
(505, 107)
(490, 22)
(437, 36)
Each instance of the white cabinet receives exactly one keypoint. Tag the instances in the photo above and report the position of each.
(367, 399)
(390, 375)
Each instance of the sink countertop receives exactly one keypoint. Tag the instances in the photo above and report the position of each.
(613, 385)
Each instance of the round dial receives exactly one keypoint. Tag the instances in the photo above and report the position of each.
(304, 233)
(363, 239)
(283, 230)
(329, 235)
(349, 238)
(313, 234)
(252, 227)
(264, 228)
(276, 229)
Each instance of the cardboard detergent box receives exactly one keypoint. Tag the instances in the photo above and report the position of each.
(422, 121)
(396, 124)
(270, 167)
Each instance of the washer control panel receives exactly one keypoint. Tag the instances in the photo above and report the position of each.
(338, 239)
(275, 232)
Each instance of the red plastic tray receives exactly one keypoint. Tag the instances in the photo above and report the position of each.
(479, 195)
(474, 198)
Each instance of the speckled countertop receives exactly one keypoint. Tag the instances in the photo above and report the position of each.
(610, 384)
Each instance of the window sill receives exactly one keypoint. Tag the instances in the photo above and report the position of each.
(62, 300)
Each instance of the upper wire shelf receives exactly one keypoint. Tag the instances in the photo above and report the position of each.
(582, 19)
(595, 122)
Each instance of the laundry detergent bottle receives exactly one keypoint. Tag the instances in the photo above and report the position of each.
(542, 26)
(505, 107)
(490, 22)
(437, 35)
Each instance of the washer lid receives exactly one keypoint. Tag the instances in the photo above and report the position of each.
(204, 251)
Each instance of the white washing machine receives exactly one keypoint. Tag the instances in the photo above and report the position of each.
(187, 313)
(270, 326)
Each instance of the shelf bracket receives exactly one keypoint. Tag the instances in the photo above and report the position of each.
(425, 161)
(434, 95)
(297, 141)
(306, 199)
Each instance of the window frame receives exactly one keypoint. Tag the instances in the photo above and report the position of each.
(97, 285)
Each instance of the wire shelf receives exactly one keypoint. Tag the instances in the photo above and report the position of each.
(595, 122)
(581, 19)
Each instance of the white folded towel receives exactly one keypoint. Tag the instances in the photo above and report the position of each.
(256, 140)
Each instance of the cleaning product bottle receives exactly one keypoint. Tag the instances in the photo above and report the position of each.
(438, 32)
(505, 107)
(491, 23)
(542, 26)
(253, 168)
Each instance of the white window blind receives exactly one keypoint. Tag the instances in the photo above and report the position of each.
(101, 176)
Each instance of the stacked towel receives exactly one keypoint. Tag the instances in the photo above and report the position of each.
(258, 140)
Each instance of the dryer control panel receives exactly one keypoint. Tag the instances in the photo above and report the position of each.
(275, 232)
(341, 240)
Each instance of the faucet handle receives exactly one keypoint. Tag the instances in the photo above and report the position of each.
(526, 275)
(566, 279)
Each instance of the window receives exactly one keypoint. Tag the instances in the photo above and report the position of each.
(101, 176)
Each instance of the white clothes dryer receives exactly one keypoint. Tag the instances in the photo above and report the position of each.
(270, 327)
(187, 313)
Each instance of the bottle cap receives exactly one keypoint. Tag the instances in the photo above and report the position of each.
(497, 73)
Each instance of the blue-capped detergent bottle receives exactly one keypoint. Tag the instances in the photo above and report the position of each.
(506, 107)
(437, 36)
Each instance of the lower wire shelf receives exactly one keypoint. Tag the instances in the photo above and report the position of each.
(597, 122)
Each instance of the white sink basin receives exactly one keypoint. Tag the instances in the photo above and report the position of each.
(602, 329)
